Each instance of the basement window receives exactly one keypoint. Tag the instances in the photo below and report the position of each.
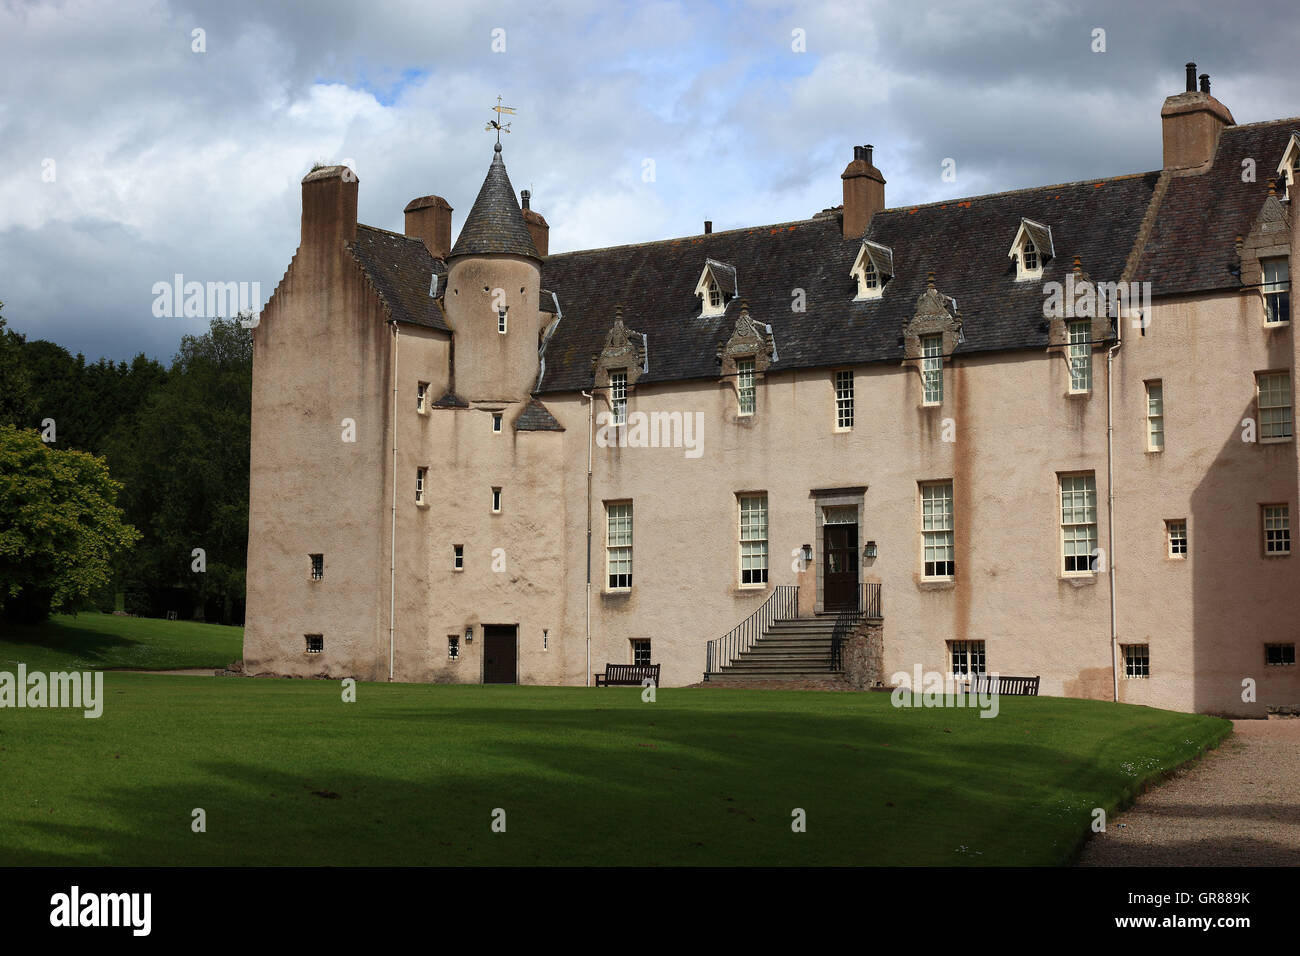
(1137, 661)
(1279, 655)
(315, 643)
(641, 653)
(317, 567)
(966, 658)
(453, 647)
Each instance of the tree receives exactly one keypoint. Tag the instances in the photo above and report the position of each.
(16, 406)
(60, 527)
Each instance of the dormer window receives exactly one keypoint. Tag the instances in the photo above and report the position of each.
(1288, 171)
(873, 268)
(1031, 249)
(717, 287)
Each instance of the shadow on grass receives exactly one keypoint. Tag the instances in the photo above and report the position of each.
(680, 782)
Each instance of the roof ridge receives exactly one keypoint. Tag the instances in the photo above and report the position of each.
(1272, 122)
(399, 235)
(697, 235)
(1024, 189)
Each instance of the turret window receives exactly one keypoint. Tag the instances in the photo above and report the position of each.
(501, 321)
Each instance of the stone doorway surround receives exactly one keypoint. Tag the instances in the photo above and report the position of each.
(832, 498)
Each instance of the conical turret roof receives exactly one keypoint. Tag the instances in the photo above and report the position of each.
(495, 223)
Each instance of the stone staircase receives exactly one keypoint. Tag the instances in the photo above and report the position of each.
(788, 650)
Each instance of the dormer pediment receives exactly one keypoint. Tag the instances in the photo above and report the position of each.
(717, 286)
(1288, 171)
(873, 267)
(1031, 248)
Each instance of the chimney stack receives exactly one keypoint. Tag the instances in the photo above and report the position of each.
(537, 225)
(864, 193)
(1190, 124)
(429, 218)
(329, 205)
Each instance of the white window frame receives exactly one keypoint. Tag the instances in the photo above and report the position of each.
(496, 500)
(618, 395)
(1273, 402)
(753, 551)
(1155, 415)
(422, 397)
(932, 369)
(1078, 502)
(421, 476)
(844, 395)
(497, 423)
(937, 531)
(746, 386)
(1078, 351)
(619, 528)
(1137, 661)
(1275, 520)
(1276, 290)
(501, 321)
(458, 557)
(1176, 536)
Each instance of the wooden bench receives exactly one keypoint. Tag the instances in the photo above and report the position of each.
(624, 675)
(1002, 684)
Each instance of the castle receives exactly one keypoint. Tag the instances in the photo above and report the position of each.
(1044, 432)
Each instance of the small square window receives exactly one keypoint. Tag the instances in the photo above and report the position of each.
(315, 643)
(1279, 655)
(1137, 660)
(1176, 534)
(496, 421)
(420, 475)
(496, 500)
(317, 567)
(501, 321)
(421, 396)
(641, 652)
(458, 557)
(453, 647)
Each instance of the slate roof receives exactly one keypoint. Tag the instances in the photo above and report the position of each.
(963, 241)
(1192, 244)
(495, 222)
(401, 269)
(536, 417)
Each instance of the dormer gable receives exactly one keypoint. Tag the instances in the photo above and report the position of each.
(1288, 171)
(1031, 248)
(717, 287)
(873, 267)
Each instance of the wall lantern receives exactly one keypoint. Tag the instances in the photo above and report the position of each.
(870, 550)
(469, 634)
(807, 554)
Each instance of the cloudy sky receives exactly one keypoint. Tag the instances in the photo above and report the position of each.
(127, 156)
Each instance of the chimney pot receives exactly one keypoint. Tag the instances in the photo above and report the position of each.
(1205, 82)
(537, 225)
(866, 153)
(1191, 77)
(525, 196)
(708, 226)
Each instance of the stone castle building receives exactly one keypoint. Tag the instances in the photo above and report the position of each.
(1044, 432)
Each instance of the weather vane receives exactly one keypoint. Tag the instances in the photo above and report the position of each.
(496, 124)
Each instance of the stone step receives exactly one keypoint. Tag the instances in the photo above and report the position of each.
(729, 674)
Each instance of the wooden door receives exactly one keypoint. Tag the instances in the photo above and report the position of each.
(500, 654)
(840, 566)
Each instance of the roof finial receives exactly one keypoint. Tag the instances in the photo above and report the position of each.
(497, 125)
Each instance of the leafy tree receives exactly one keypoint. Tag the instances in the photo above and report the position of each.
(60, 526)
(15, 384)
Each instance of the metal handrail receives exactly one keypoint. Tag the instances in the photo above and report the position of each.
(781, 605)
(869, 606)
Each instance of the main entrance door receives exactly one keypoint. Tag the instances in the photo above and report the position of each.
(500, 654)
(840, 566)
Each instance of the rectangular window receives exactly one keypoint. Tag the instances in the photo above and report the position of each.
(420, 474)
(1277, 529)
(317, 567)
(496, 421)
(1080, 355)
(1277, 291)
(1279, 655)
(1176, 533)
(1274, 390)
(967, 657)
(618, 395)
(496, 500)
(458, 557)
(1155, 416)
(932, 368)
(641, 652)
(315, 643)
(421, 396)
(936, 529)
(844, 399)
(618, 545)
(501, 321)
(1137, 660)
(753, 539)
(745, 385)
(1078, 522)
(453, 647)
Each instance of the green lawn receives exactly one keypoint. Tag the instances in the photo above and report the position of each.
(90, 641)
(410, 774)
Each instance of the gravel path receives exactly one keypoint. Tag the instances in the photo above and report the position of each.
(1238, 806)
